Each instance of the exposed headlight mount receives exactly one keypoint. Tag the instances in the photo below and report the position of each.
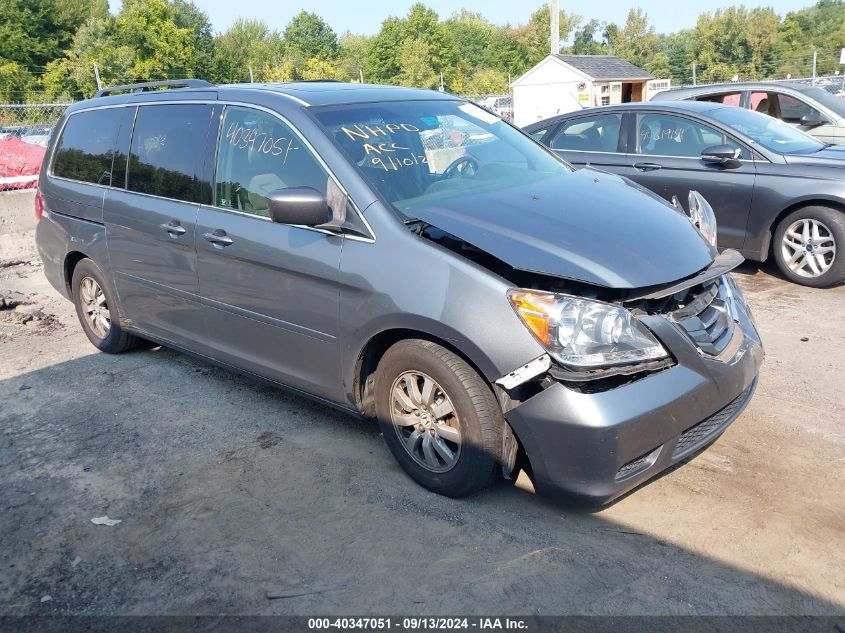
(583, 334)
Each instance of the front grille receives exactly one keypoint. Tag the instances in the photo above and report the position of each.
(697, 435)
(707, 319)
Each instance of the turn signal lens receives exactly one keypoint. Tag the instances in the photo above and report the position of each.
(534, 309)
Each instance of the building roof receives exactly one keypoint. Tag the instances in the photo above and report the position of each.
(605, 67)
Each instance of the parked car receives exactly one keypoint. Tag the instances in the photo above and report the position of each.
(37, 135)
(491, 310)
(811, 109)
(775, 190)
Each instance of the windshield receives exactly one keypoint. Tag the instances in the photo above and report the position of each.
(769, 132)
(418, 152)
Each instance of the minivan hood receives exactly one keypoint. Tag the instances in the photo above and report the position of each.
(585, 225)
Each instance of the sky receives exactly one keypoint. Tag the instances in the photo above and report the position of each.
(366, 17)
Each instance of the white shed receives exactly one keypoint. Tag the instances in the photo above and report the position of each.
(563, 83)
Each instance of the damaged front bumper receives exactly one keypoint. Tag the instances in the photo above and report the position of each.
(597, 446)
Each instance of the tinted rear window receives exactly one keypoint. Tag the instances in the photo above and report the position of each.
(167, 149)
(85, 150)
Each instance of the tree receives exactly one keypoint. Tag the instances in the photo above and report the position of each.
(415, 65)
(820, 27)
(247, 44)
(309, 36)
(162, 47)
(35, 32)
(15, 82)
(420, 32)
(636, 41)
(352, 54)
(474, 37)
(679, 51)
(486, 82)
(585, 42)
(72, 77)
(148, 40)
(322, 69)
(534, 36)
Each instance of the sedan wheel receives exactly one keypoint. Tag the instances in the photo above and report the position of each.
(808, 248)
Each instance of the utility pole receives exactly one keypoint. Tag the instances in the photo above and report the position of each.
(554, 32)
(97, 77)
(361, 74)
(815, 55)
(251, 80)
(693, 73)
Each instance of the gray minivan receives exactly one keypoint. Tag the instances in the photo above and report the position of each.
(407, 256)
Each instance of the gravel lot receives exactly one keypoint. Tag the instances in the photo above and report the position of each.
(237, 498)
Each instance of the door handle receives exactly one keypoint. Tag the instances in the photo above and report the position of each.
(173, 228)
(218, 238)
(647, 166)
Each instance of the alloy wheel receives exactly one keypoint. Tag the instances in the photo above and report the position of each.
(808, 248)
(95, 307)
(425, 420)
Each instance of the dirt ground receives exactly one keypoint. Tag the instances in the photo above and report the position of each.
(235, 498)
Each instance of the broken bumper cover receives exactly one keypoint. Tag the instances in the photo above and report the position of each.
(594, 447)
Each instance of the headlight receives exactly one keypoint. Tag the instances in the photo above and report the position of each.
(583, 333)
(702, 217)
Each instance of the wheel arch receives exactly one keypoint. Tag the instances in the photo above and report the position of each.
(72, 260)
(374, 349)
(831, 203)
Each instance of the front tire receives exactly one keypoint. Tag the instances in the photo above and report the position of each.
(439, 418)
(807, 246)
(96, 308)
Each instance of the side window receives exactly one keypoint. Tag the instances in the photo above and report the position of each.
(727, 98)
(669, 135)
(258, 154)
(763, 102)
(538, 135)
(792, 109)
(85, 150)
(165, 156)
(589, 134)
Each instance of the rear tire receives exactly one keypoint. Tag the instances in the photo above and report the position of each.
(453, 444)
(96, 308)
(808, 247)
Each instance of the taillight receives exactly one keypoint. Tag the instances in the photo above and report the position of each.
(39, 204)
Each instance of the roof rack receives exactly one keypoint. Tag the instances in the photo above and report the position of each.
(146, 86)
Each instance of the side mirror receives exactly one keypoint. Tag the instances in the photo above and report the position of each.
(298, 205)
(812, 120)
(726, 155)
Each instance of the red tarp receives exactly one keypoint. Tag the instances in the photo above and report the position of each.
(17, 161)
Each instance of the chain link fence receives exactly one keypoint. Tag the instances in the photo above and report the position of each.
(25, 130)
(500, 104)
(834, 84)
